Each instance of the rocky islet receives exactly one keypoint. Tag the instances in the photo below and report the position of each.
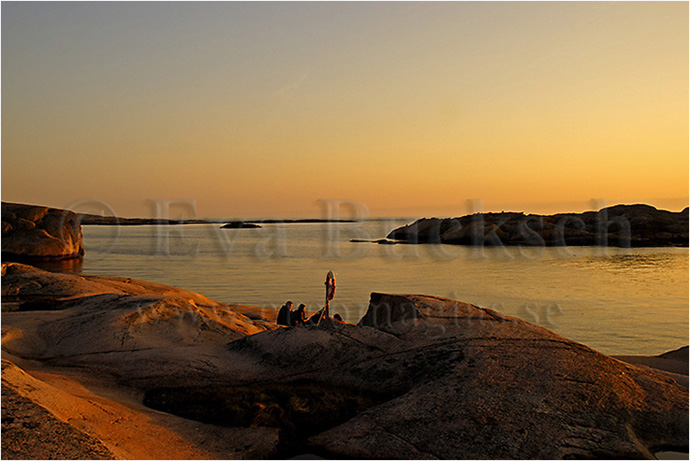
(620, 226)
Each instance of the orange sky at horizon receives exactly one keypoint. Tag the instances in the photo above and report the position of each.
(412, 109)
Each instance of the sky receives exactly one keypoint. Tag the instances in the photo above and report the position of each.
(232, 109)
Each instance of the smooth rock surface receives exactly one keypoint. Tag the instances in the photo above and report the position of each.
(457, 381)
(34, 233)
(130, 329)
(22, 420)
(420, 377)
(124, 336)
(126, 428)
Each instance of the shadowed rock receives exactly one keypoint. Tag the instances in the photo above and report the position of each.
(622, 226)
(34, 233)
(464, 382)
(673, 363)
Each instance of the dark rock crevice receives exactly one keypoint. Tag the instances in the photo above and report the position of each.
(298, 409)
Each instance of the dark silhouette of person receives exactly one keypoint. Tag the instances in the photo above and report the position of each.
(338, 318)
(298, 317)
(314, 319)
(284, 314)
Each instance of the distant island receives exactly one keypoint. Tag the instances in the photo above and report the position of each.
(621, 226)
(240, 225)
(97, 220)
(38, 233)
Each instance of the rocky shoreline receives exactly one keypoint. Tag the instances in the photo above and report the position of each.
(113, 367)
(120, 360)
(619, 226)
(34, 233)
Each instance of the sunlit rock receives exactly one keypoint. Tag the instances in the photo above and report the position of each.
(419, 377)
(33, 233)
(123, 327)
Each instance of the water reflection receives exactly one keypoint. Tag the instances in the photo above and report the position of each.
(641, 260)
(73, 266)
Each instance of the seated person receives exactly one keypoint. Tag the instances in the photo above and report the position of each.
(284, 314)
(298, 317)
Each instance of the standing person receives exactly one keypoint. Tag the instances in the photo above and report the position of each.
(330, 293)
(299, 317)
(284, 314)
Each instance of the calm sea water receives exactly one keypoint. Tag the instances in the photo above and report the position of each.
(618, 301)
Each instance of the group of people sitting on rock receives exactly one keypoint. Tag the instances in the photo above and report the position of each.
(290, 318)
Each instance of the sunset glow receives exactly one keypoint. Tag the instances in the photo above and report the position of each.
(260, 110)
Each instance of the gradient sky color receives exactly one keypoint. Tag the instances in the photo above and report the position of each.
(261, 109)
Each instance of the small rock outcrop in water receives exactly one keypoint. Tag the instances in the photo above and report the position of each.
(240, 225)
(34, 233)
(622, 225)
